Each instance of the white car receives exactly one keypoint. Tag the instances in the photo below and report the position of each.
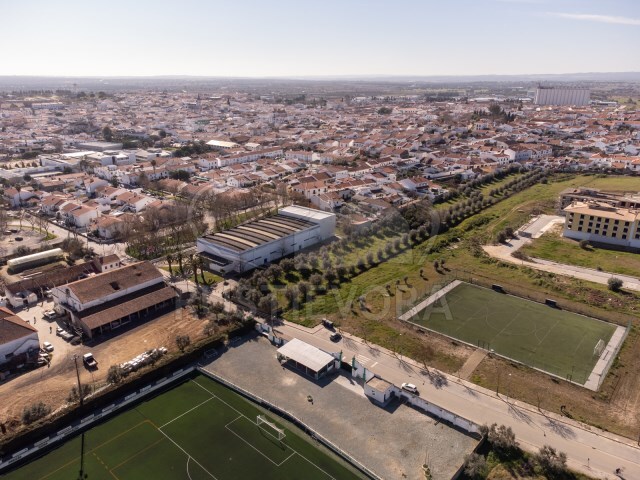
(47, 346)
(50, 314)
(409, 387)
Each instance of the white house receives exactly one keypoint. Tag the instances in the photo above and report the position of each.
(19, 340)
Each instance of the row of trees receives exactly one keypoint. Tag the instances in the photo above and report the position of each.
(315, 273)
(440, 220)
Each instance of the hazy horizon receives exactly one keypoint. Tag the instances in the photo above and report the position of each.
(287, 39)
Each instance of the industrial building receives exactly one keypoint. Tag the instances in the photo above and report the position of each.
(262, 241)
(34, 260)
(562, 96)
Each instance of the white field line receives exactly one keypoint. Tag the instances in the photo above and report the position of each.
(295, 452)
(183, 414)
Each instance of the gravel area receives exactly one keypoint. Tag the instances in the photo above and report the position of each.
(393, 442)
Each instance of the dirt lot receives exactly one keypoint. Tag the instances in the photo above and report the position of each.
(52, 385)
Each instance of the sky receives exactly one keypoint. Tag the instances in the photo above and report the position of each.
(266, 38)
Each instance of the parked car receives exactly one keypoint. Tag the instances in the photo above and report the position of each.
(409, 387)
(327, 323)
(335, 337)
(18, 239)
(67, 335)
(47, 346)
(50, 314)
(89, 361)
(60, 331)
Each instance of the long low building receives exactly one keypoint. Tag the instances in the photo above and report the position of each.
(262, 241)
(107, 301)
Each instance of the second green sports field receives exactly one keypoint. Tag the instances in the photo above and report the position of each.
(557, 341)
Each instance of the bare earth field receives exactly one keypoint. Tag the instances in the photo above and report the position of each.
(52, 385)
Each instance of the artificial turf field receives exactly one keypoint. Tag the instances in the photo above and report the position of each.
(198, 430)
(557, 341)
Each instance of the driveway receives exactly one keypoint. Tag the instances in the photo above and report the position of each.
(536, 228)
(47, 331)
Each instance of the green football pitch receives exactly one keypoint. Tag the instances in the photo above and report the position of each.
(198, 430)
(559, 342)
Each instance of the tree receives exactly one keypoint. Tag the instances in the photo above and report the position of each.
(107, 134)
(182, 342)
(180, 175)
(330, 276)
(475, 466)
(292, 293)
(315, 279)
(303, 288)
(551, 461)
(210, 328)
(501, 438)
(615, 284)
(170, 263)
(267, 304)
(115, 374)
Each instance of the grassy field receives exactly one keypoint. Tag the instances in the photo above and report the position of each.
(553, 340)
(552, 246)
(197, 430)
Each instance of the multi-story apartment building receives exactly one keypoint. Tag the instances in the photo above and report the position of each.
(603, 223)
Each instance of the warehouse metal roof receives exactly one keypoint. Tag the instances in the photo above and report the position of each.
(258, 232)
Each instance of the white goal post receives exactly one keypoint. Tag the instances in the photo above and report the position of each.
(599, 348)
(272, 429)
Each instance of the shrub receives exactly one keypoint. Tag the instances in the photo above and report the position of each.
(502, 439)
(115, 374)
(182, 342)
(614, 284)
(550, 461)
(34, 412)
(74, 396)
(475, 466)
(584, 244)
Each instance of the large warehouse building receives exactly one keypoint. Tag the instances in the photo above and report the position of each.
(262, 241)
(562, 96)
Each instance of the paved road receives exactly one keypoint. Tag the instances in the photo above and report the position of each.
(504, 252)
(589, 450)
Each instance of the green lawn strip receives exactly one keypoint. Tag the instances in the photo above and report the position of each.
(554, 340)
(167, 406)
(209, 277)
(552, 247)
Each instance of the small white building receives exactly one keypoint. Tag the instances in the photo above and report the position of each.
(19, 340)
(379, 390)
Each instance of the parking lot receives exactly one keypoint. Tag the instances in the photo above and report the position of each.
(62, 349)
(394, 441)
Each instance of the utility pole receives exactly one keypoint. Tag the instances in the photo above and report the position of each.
(75, 360)
(81, 475)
